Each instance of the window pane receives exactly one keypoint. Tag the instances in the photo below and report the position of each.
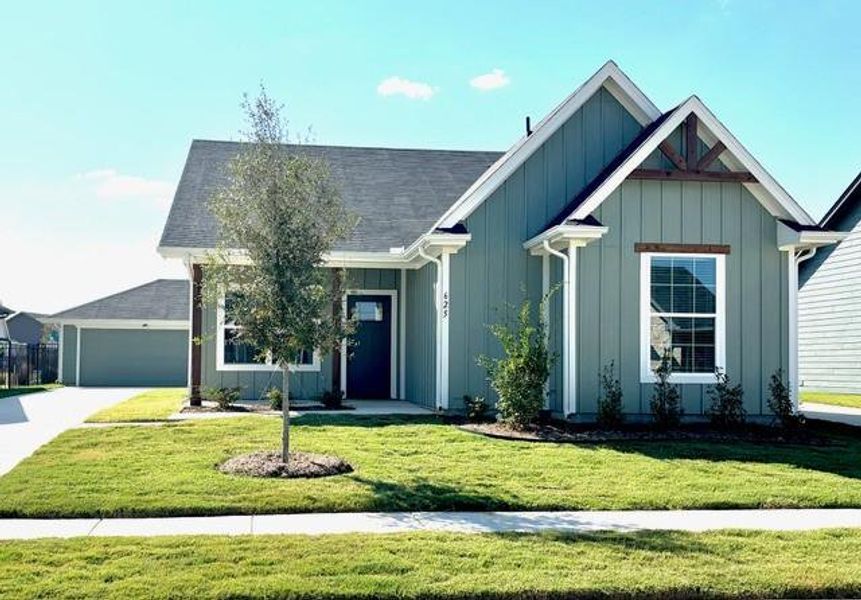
(661, 299)
(661, 269)
(683, 298)
(682, 331)
(704, 271)
(237, 352)
(683, 271)
(661, 336)
(704, 299)
(704, 332)
(306, 357)
(704, 359)
(368, 311)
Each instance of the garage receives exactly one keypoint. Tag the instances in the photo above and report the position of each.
(137, 338)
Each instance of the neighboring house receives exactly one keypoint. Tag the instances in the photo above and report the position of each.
(138, 337)
(662, 232)
(26, 327)
(4, 331)
(829, 304)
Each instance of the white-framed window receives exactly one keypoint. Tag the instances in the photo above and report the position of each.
(235, 354)
(683, 312)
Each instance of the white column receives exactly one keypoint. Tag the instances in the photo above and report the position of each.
(344, 349)
(545, 315)
(402, 345)
(188, 269)
(77, 355)
(60, 355)
(571, 321)
(444, 279)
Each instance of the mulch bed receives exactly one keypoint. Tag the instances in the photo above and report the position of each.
(582, 434)
(211, 407)
(269, 464)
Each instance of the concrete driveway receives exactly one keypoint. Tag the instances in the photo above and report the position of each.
(828, 412)
(30, 420)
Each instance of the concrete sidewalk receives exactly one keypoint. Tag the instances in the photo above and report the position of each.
(829, 412)
(460, 522)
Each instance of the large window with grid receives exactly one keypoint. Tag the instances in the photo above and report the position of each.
(682, 315)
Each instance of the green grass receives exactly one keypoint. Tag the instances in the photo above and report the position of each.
(722, 564)
(154, 405)
(406, 463)
(851, 400)
(30, 389)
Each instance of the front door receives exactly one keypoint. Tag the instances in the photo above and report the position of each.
(369, 367)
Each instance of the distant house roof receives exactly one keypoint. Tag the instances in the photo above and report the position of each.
(159, 300)
(850, 196)
(398, 194)
(4, 311)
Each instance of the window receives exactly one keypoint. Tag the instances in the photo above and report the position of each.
(235, 354)
(368, 311)
(682, 313)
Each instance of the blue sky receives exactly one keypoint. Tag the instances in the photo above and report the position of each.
(99, 101)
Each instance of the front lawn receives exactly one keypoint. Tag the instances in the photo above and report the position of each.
(153, 405)
(722, 564)
(404, 463)
(851, 400)
(30, 389)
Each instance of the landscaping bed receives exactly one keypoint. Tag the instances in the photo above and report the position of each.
(260, 408)
(270, 464)
(640, 565)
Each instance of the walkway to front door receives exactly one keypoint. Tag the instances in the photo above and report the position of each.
(369, 361)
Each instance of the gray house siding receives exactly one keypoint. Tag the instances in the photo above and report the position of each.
(304, 385)
(494, 270)
(121, 357)
(70, 350)
(829, 313)
(608, 287)
(421, 336)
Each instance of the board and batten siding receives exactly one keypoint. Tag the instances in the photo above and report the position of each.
(421, 336)
(829, 313)
(493, 270)
(608, 287)
(304, 385)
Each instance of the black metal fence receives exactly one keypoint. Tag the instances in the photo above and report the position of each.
(27, 364)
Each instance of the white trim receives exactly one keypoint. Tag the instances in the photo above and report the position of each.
(545, 314)
(393, 338)
(78, 329)
(189, 268)
(567, 292)
(788, 239)
(646, 374)
(794, 259)
(609, 76)
(222, 367)
(571, 349)
(561, 236)
(124, 323)
(402, 343)
(60, 356)
(445, 318)
(784, 205)
(437, 303)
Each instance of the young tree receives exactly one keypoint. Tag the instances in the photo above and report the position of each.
(279, 212)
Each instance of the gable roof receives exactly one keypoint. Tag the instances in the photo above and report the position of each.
(5, 311)
(773, 197)
(159, 300)
(397, 193)
(610, 77)
(847, 200)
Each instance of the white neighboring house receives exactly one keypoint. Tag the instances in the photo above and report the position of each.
(829, 304)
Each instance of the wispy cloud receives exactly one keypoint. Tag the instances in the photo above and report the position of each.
(490, 81)
(112, 185)
(414, 90)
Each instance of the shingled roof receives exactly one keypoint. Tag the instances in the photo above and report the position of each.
(159, 300)
(398, 194)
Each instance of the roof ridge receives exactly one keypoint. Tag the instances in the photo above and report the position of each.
(352, 147)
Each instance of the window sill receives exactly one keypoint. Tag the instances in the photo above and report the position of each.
(682, 378)
(224, 368)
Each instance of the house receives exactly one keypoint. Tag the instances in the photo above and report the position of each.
(4, 330)
(137, 337)
(27, 327)
(829, 303)
(661, 230)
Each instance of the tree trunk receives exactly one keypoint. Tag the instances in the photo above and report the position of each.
(285, 411)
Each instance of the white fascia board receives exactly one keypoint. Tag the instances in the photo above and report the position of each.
(777, 202)
(562, 236)
(610, 76)
(124, 323)
(788, 239)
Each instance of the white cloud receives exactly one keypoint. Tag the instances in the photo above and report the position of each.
(414, 90)
(111, 185)
(490, 81)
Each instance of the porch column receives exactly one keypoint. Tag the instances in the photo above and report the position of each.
(196, 309)
(444, 278)
(794, 257)
(570, 350)
(336, 351)
(545, 315)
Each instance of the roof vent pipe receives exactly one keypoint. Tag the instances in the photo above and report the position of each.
(528, 126)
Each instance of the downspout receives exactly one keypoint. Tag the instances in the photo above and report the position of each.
(438, 358)
(795, 261)
(565, 329)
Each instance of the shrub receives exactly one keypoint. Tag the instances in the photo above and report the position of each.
(519, 376)
(665, 405)
(476, 408)
(224, 397)
(610, 401)
(275, 397)
(332, 399)
(727, 402)
(780, 402)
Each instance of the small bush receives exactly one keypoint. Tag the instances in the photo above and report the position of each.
(275, 397)
(610, 402)
(224, 397)
(332, 399)
(780, 402)
(519, 376)
(476, 408)
(665, 405)
(727, 402)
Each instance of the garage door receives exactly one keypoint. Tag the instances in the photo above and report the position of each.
(134, 357)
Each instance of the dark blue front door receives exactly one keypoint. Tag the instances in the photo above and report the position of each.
(369, 367)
